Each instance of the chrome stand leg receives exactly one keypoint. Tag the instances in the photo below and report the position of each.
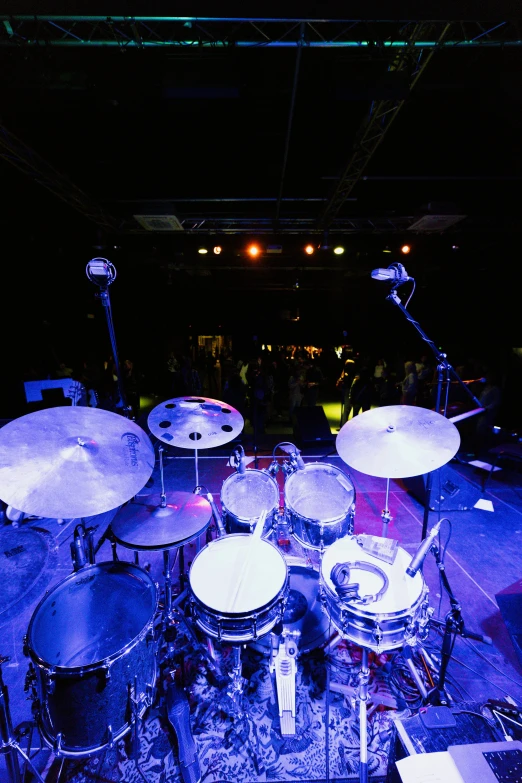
(364, 677)
(385, 514)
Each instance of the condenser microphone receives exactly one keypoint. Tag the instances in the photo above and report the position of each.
(421, 553)
(395, 273)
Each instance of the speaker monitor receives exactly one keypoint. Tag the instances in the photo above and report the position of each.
(509, 602)
(450, 491)
(311, 426)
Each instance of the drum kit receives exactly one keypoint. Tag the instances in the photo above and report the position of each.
(101, 642)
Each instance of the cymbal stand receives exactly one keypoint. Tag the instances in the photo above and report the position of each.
(9, 746)
(362, 697)
(385, 513)
(453, 625)
(444, 369)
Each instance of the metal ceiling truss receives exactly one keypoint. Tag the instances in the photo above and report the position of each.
(18, 154)
(143, 32)
(292, 225)
(410, 61)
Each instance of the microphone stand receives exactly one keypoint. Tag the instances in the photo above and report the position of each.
(453, 625)
(104, 280)
(444, 372)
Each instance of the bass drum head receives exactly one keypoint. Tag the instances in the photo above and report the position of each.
(219, 581)
(303, 612)
(319, 492)
(246, 495)
(92, 615)
(403, 592)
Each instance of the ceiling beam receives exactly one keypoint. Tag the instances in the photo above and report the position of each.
(30, 163)
(141, 32)
(382, 113)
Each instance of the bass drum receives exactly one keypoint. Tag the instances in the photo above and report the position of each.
(91, 641)
(244, 496)
(320, 504)
(304, 615)
(398, 616)
(238, 588)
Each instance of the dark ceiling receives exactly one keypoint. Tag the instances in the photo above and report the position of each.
(249, 132)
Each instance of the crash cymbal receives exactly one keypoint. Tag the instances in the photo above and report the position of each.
(397, 441)
(144, 524)
(195, 422)
(72, 462)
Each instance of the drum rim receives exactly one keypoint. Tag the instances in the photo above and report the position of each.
(331, 521)
(376, 616)
(238, 615)
(228, 510)
(75, 670)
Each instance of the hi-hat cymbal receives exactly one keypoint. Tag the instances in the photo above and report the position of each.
(195, 422)
(144, 524)
(397, 441)
(72, 462)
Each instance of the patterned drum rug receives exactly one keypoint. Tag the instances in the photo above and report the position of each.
(247, 747)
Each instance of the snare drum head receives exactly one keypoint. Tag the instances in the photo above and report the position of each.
(92, 615)
(320, 491)
(237, 574)
(403, 592)
(247, 494)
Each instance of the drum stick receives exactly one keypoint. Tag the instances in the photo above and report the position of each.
(246, 554)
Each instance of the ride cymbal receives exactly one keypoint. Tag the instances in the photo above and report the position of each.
(397, 441)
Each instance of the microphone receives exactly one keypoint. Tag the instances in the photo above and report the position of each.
(299, 461)
(421, 553)
(241, 465)
(395, 273)
(100, 271)
(217, 517)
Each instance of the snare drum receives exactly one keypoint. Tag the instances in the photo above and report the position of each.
(384, 624)
(320, 504)
(238, 588)
(244, 496)
(92, 645)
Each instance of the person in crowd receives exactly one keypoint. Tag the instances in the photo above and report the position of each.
(388, 391)
(409, 384)
(131, 386)
(314, 379)
(344, 384)
(295, 393)
(361, 392)
(234, 393)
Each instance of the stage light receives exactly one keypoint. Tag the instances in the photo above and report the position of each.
(405, 249)
(309, 249)
(338, 251)
(217, 250)
(253, 250)
(202, 251)
(386, 249)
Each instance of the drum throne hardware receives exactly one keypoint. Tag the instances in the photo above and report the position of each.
(195, 423)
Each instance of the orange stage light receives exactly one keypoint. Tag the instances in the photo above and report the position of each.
(253, 250)
(309, 249)
(405, 249)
